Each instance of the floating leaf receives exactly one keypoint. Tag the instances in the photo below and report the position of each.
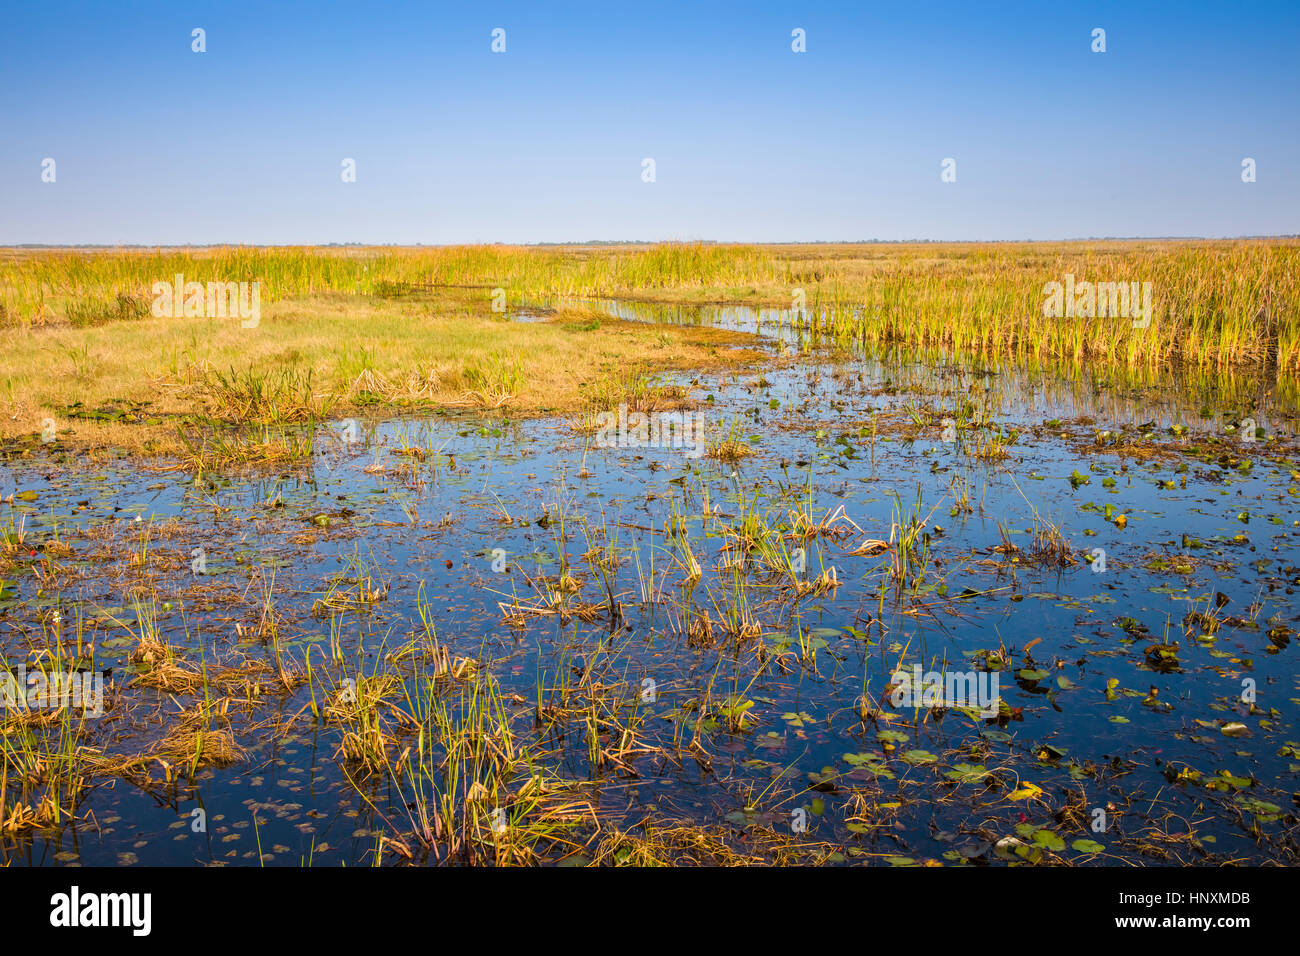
(1026, 791)
(1048, 839)
(918, 757)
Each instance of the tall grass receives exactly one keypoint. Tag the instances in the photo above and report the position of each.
(1217, 303)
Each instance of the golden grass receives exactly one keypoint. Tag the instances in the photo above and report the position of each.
(193, 741)
(316, 356)
(352, 327)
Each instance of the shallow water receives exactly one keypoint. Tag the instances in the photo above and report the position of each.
(1115, 699)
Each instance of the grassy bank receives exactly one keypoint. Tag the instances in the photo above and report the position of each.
(162, 386)
(343, 327)
(1216, 303)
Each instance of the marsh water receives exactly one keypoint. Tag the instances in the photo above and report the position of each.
(1148, 692)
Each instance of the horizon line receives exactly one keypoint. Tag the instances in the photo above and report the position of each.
(635, 242)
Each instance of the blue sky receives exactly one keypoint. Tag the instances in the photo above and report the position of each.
(156, 144)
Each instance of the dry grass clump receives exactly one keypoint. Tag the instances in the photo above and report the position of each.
(162, 668)
(729, 451)
(45, 812)
(262, 396)
(195, 743)
(694, 845)
(518, 613)
(1048, 547)
(416, 387)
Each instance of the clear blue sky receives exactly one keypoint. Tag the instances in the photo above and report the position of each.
(155, 144)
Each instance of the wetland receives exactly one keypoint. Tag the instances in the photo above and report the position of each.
(395, 577)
